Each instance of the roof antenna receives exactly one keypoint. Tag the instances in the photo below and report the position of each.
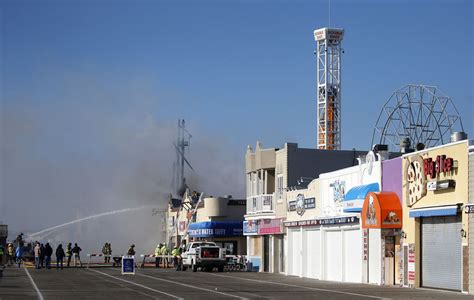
(329, 13)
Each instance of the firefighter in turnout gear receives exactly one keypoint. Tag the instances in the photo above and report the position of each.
(176, 256)
(131, 250)
(157, 253)
(164, 251)
(10, 255)
(107, 251)
(69, 253)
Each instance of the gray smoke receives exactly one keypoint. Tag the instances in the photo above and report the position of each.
(87, 149)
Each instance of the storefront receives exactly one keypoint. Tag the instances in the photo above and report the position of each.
(325, 248)
(323, 223)
(265, 244)
(381, 223)
(435, 229)
(228, 235)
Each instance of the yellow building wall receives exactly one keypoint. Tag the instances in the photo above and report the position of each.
(411, 226)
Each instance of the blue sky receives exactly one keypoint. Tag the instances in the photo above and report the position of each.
(240, 69)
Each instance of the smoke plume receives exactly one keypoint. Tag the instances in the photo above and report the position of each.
(88, 147)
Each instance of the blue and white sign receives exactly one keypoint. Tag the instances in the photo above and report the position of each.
(251, 227)
(128, 265)
(301, 204)
(215, 229)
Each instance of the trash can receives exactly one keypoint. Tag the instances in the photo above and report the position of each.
(249, 266)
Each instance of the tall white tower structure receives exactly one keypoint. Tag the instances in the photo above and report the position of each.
(329, 87)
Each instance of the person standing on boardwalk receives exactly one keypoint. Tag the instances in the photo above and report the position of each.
(68, 254)
(41, 253)
(131, 250)
(36, 250)
(2, 253)
(18, 255)
(76, 251)
(10, 255)
(59, 256)
(157, 255)
(107, 251)
(48, 252)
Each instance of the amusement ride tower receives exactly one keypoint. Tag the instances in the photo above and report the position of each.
(329, 87)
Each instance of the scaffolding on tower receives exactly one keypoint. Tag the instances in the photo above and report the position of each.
(329, 87)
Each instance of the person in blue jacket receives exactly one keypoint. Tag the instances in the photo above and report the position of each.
(18, 254)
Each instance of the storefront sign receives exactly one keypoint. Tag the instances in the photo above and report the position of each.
(469, 208)
(442, 164)
(329, 221)
(182, 227)
(411, 264)
(381, 210)
(338, 190)
(301, 204)
(366, 244)
(416, 180)
(419, 170)
(250, 227)
(440, 185)
(215, 229)
(270, 226)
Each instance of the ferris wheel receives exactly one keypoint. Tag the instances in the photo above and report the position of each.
(420, 113)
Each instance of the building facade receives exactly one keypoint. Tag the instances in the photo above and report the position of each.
(271, 173)
(435, 234)
(219, 219)
(470, 210)
(323, 223)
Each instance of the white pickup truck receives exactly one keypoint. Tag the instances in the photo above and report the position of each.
(204, 255)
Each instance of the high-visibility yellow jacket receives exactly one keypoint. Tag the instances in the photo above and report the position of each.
(158, 250)
(175, 252)
(164, 250)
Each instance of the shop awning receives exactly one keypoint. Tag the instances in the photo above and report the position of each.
(215, 229)
(450, 210)
(381, 210)
(354, 198)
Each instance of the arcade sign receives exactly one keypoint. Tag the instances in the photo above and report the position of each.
(328, 221)
(301, 204)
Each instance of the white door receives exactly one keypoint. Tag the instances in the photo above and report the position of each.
(352, 255)
(294, 258)
(312, 254)
(333, 254)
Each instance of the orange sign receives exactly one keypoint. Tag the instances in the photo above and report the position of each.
(381, 210)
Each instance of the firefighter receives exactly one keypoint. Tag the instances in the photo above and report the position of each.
(107, 251)
(10, 255)
(131, 250)
(164, 251)
(69, 253)
(176, 254)
(157, 255)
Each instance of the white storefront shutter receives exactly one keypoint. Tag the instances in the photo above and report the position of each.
(312, 254)
(441, 252)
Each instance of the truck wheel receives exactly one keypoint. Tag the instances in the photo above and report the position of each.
(220, 268)
(183, 268)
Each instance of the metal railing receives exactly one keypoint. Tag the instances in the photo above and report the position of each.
(264, 203)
